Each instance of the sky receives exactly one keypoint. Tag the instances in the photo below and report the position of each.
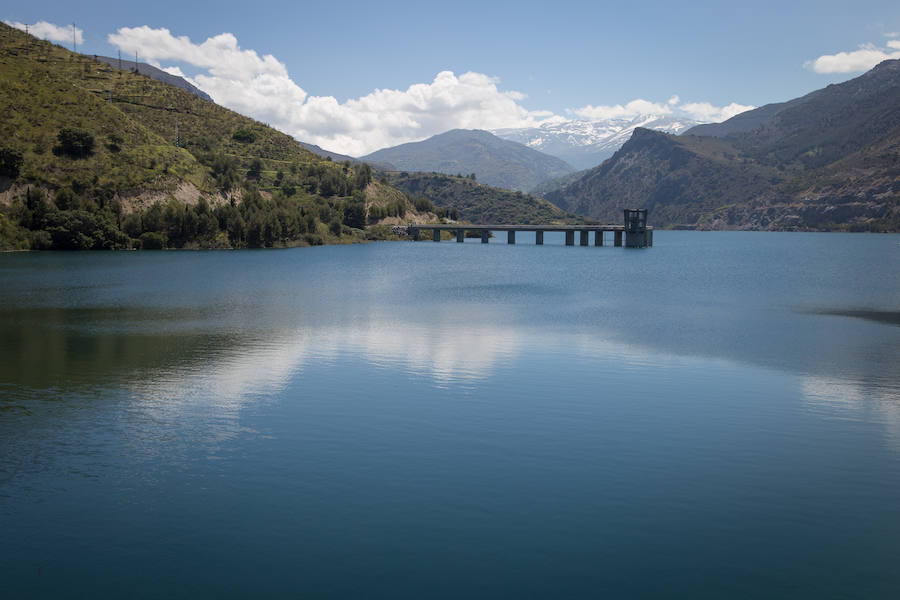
(354, 77)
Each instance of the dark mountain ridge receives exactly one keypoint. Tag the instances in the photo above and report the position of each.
(828, 160)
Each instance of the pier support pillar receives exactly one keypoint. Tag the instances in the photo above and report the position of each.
(460, 235)
(485, 236)
(617, 238)
(584, 238)
(539, 237)
(570, 237)
(413, 232)
(641, 239)
(510, 237)
(436, 235)
(598, 237)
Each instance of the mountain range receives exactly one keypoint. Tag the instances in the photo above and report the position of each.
(494, 161)
(828, 160)
(586, 144)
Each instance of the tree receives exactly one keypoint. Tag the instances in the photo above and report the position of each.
(363, 176)
(355, 214)
(10, 162)
(131, 225)
(224, 170)
(74, 143)
(153, 218)
(255, 170)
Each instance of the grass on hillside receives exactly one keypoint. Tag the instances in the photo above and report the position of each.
(252, 185)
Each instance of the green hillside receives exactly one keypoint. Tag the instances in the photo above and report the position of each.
(96, 157)
(478, 203)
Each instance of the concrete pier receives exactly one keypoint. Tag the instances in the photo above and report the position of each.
(634, 234)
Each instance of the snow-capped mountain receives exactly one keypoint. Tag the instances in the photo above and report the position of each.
(585, 144)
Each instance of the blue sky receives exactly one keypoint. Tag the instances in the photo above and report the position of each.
(560, 57)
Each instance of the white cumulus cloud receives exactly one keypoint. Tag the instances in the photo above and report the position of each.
(50, 31)
(261, 87)
(635, 108)
(862, 59)
(707, 113)
(242, 80)
(697, 111)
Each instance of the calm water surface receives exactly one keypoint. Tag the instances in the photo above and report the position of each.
(715, 417)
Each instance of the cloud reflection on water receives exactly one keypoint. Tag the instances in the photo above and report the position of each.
(842, 399)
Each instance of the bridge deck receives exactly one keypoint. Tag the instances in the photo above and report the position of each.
(467, 227)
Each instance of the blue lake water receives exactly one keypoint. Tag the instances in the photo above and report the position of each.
(714, 417)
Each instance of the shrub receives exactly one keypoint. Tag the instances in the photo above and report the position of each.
(41, 240)
(244, 135)
(151, 240)
(74, 143)
(66, 199)
(114, 143)
(10, 162)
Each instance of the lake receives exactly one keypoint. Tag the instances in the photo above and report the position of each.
(714, 417)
